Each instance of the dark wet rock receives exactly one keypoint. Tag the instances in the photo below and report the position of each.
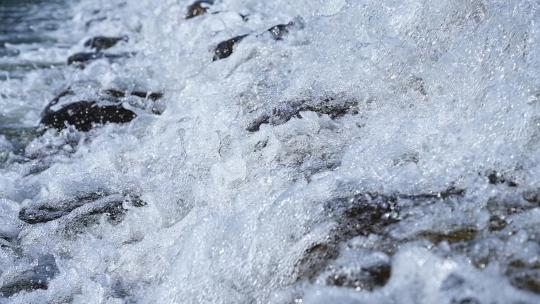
(115, 93)
(445, 194)
(92, 21)
(8, 242)
(332, 107)
(225, 48)
(106, 107)
(245, 18)
(497, 223)
(32, 279)
(279, 31)
(356, 215)
(198, 8)
(532, 196)
(102, 42)
(505, 206)
(466, 234)
(258, 122)
(48, 211)
(374, 215)
(524, 275)
(111, 206)
(367, 278)
(315, 259)
(36, 167)
(495, 178)
(147, 95)
(80, 207)
(81, 59)
(417, 84)
(84, 115)
(364, 214)
(467, 300)
(410, 157)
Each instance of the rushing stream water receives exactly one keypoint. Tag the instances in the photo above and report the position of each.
(309, 151)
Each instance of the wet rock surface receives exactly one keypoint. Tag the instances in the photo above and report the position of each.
(333, 107)
(148, 95)
(280, 31)
(79, 208)
(368, 278)
(198, 8)
(82, 59)
(99, 43)
(85, 115)
(524, 275)
(225, 48)
(31, 279)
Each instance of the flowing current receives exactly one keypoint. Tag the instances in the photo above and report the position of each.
(360, 152)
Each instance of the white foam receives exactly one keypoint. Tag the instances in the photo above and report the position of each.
(446, 92)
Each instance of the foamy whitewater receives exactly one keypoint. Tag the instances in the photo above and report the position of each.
(425, 188)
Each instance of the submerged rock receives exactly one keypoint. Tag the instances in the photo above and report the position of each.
(367, 278)
(368, 215)
(279, 31)
(112, 207)
(31, 279)
(79, 207)
(314, 260)
(364, 214)
(356, 215)
(81, 59)
(198, 8)
(524, 275)
(330, 106)
(532, 196)
(225, 48)
(495, 178)
(466, 234)
(102, 42)
(48, 211)
(441, 195)
(120, 94)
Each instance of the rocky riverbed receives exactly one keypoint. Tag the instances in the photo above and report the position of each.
(311, 151)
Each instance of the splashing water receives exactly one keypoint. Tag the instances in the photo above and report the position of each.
(361, 152)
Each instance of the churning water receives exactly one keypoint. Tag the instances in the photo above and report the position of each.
(362, 152)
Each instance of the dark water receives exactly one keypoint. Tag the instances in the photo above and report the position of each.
(30, 24)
